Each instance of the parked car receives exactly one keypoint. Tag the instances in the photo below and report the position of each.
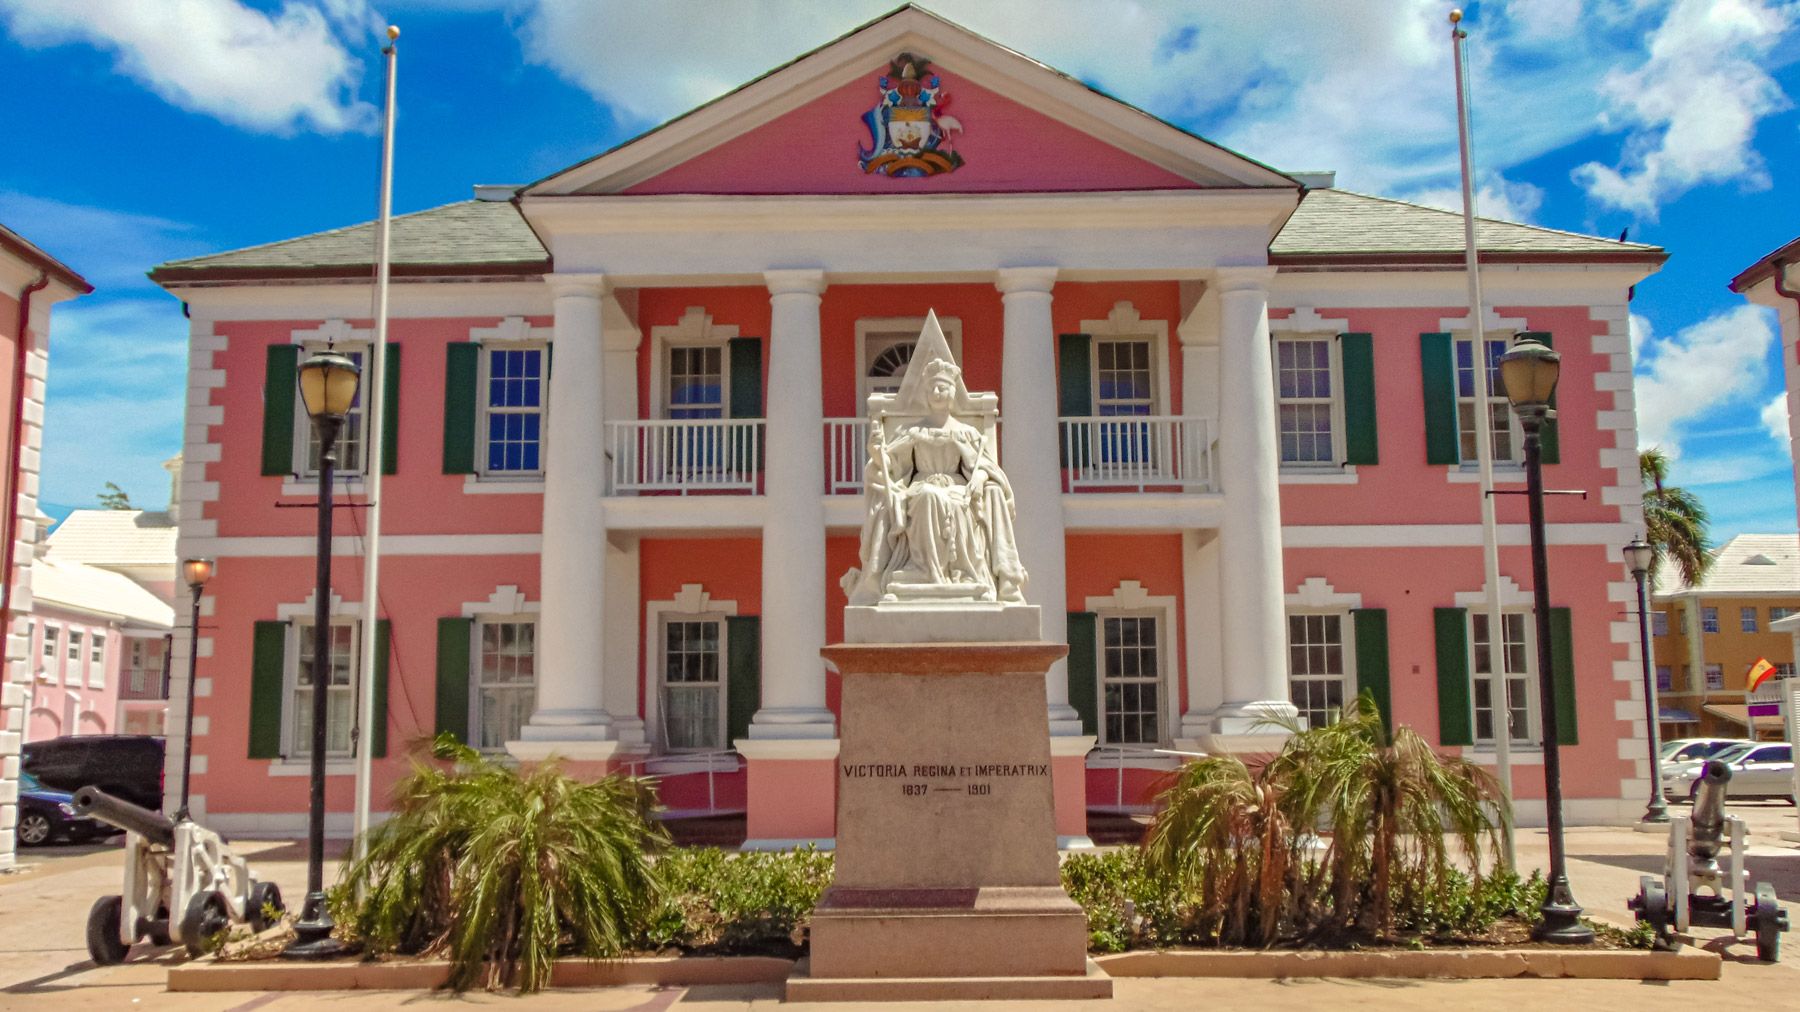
(127, 766)
(47, 815)
(1758, 770)
(1692, 749)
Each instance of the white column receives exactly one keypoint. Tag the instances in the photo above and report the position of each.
(1253, 629)
(793, 555)
(1028, 443)
(1200, 622)
(572, 644)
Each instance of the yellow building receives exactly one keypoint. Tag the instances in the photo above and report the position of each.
(1706, 637)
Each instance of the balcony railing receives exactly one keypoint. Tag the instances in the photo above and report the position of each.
(846, 451)
(684, 455)
(1138, 452)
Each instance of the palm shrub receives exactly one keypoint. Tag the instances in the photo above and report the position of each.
(501, 870)
(1342, 830)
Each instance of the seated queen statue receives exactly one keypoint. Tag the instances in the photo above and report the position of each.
(939, 522)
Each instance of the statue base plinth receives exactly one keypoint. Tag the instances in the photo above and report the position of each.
(942, 622)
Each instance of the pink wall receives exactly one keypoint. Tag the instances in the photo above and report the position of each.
(97, 708)
(1006, 147)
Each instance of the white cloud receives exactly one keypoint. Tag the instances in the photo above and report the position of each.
(1315, 84)
(1727, 469)
(116, 393)
(1641, 332)
(1775, 420)
(1717, 361)
(1495, 197)
(109, 248)
(272, 72)
(1691, 108)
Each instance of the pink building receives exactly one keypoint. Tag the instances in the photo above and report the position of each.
(1236, 407)
(31, 281)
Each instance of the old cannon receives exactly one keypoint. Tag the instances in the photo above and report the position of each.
(1694, 889)
(178, 867)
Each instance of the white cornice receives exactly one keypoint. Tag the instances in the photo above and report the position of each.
(952, 49)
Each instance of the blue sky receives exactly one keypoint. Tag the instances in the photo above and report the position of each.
(154, 130)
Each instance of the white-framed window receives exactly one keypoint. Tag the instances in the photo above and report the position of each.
(97, 659)
(884, 346)
(52, 640)
(340, 671)
(1709, 619)
(1784, 670)
(138, 655)
(1508, 441)
(1777, 613)
(1131, 665)
(1309, 410)
(1659, 623)
(505, 679)
(695, 376)
(353, 436)
(1747, 619)
(1665, 678)
(1320, 663)
(1512, 665)
(75, 640)
(515, 388)
(1715, 676)
(1125, 382)
(692, 682)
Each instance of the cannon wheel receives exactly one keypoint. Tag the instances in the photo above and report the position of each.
(207, 915)
(103, 942)
(265, 895)
(159, 928)
(1768, 924)
(1652, 908)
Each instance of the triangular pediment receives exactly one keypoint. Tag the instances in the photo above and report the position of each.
(1002, 121)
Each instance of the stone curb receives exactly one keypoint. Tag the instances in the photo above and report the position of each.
(424, 975)
(1684, 964)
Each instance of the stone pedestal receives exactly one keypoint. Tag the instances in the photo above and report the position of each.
(947, 883)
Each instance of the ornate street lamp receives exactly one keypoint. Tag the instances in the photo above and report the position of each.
(1528, 372)
(197, 572)
(1639, 557)
(328, 383)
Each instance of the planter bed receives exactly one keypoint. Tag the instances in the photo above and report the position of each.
(1688, 963)
(425, 974)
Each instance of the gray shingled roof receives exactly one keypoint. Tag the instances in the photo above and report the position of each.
(464, 234)
(491, 234)
(1342, 223)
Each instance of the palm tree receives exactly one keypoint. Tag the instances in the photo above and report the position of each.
(1674, 521)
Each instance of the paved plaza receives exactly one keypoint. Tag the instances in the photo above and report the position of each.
(44, 964)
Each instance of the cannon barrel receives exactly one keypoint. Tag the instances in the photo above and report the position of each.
(1709, 809)
(96, 803)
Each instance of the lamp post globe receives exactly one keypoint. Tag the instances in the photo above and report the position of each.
(328, 387)
(196, 572)
(1528, 372)
(1640, 556)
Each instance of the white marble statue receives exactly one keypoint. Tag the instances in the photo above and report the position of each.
(939, 523)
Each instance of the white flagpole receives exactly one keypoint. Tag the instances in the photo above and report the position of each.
(1499, 695)
(366, 716)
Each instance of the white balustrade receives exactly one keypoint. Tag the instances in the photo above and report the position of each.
(846, 452)
(1138, 452)
(684, 455)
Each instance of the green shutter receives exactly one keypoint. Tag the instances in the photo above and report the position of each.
(743, 673)
(390, 411)
(379, 686)
(1084, 695)
(1357, 356)
(1562, 670)
(268, 663)
(1549, 446)
(746, 377)
(280, 385)
(1075, 392)
(1438, 373)
(462, 374)
(454, 639)
(1455, 718)
(1372, 660)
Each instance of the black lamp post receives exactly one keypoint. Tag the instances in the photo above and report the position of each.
(1639, 557)
(197, 572)
(1528, 372)
(328, 383)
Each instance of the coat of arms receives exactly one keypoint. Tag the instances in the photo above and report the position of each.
(909, 131)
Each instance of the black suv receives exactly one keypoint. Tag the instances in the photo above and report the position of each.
(126, 766)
